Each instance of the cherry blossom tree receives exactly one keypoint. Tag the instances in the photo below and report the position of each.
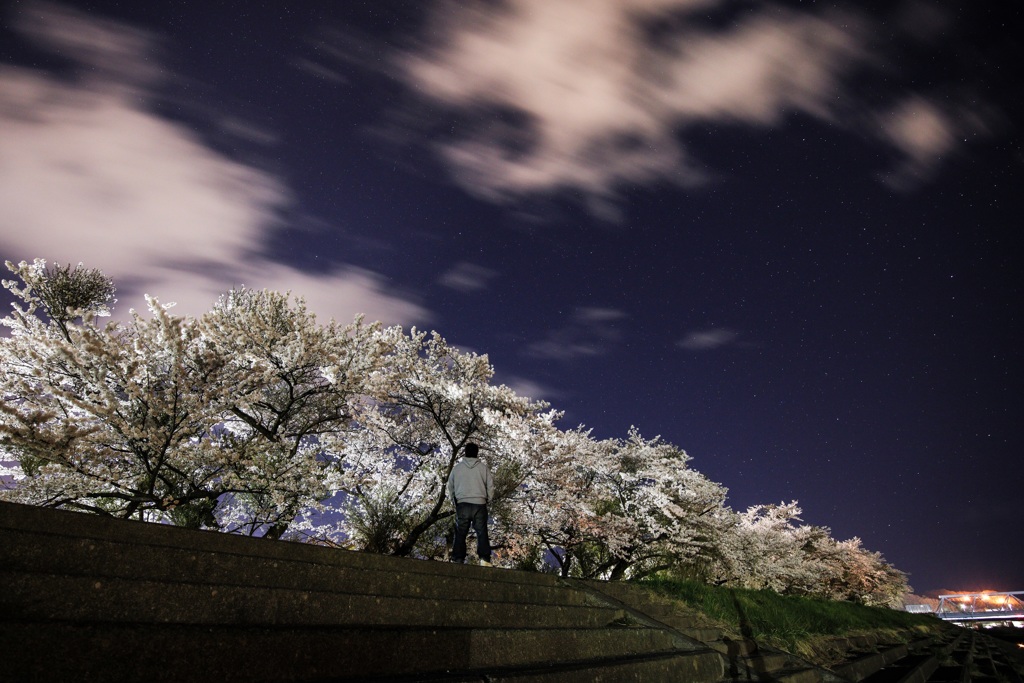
(653, 511)
(114, 419)
(63, 292)
(422, 407)
(204, 423)
(863, 576)
(553, 520)
(764, 548)
(296, 381)
(618, 508)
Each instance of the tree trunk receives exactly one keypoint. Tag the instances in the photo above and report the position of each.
(276, 531)
(405, 548)
(409, 543)
(619, 570)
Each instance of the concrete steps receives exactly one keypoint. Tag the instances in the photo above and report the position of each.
(111, 548)
(84, 651)
(956, 656)
(861, 665)
(97, 599)
(744, 659)
(94, 599)
(919, 661)
(101, 598)
(973, 657)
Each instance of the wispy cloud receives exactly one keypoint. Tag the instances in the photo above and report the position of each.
(587, 332)
(592, 96)
(468, 277)
(89, 173)
(531, 389)
(924, 131)
(318, 70)
(708, 339)
(107, 51)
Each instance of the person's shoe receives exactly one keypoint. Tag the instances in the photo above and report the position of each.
(485, 563)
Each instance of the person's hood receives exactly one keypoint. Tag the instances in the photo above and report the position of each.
(471, 462)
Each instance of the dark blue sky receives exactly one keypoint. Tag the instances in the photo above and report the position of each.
(782, 235)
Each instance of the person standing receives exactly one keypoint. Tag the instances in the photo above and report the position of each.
(471, 487)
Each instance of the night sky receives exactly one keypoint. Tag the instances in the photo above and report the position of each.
(785, 236)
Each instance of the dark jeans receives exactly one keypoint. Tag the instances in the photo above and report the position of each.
(475, 514)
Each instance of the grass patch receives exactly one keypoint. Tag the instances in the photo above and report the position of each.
(797, 624)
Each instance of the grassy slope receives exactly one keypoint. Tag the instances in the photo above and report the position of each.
(804, 626)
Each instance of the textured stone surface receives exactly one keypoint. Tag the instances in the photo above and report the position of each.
(96, 599)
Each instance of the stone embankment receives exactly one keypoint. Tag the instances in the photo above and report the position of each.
(88, 598)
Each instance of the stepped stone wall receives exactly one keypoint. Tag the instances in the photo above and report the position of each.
(87, 598)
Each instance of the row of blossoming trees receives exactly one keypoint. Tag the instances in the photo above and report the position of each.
(258, 419)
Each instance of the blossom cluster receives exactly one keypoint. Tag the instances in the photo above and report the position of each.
(255, 418)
